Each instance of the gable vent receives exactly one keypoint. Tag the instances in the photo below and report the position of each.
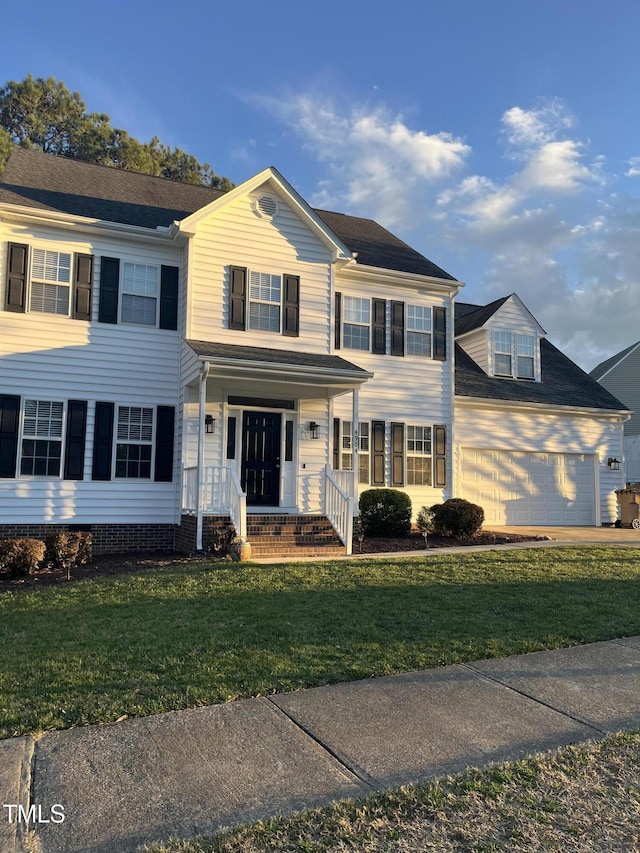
(267, 206)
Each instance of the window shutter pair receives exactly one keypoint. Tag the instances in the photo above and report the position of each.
(110, 288)
(16, 282)
(238, 302)
(103, 442)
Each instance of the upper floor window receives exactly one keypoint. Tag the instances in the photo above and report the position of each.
(419, 330)
(50, 282)
(514, 355)
(357, 323)
(139, 302)
(265, 295)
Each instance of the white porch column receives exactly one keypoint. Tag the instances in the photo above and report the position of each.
(202, 399)
(355, 449)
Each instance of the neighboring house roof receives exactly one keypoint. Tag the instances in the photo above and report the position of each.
(563, 383)
(47, 182)
(605, 366)
(469, 317)
(284, 358)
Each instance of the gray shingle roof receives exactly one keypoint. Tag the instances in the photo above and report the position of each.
(235, 352)
(563, 383)
(470, 317)
(43, 181)
(600, 369)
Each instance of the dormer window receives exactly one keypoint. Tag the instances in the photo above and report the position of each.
(514, 355)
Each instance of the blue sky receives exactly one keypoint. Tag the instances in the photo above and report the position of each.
(500, 138)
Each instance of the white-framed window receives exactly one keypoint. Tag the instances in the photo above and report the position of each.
(525, 356)
(265, 296)
(346, 444)
(42, 431)
(419, 455)
(418, 330)
(514, 355)
(134, 442)
(50, 281)
(139, 302)
(356, 323)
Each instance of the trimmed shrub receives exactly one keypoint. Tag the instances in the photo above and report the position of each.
(20, 556)
(385, 512)
(74, 546)
(424, 520)
(457, 517)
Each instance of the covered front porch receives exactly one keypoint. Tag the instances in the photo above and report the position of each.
(257, 424)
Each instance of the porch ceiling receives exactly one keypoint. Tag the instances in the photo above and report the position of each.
(305, 375)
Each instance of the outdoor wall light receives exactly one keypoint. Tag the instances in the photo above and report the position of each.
(613, 463)
(314, 429)
(209, 424)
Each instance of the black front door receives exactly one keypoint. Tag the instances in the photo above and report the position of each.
(260, 474)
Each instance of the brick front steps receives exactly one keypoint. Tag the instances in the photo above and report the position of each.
(292, 536)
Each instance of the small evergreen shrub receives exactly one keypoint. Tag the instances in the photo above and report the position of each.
(20, 556)
(385, 512)
(457, 517)
(74, 546)
(424, 520)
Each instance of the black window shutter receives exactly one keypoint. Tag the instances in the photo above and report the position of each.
(16, 284)
(109, 285)
(9, 420)
(336, 444)
(169, 297)
(238, 298)
(439, 334)
(440, 455)
(379, 327)
(338, 321)
(75, 440)
(377, 453)
(164, 444)
(82, 288)
(397, 328)
(291, 307)
(103, 442)
(397, 454)
(231, 437)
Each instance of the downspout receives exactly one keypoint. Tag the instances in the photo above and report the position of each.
(200, 485)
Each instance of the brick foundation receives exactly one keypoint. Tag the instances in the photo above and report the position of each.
(107, 538)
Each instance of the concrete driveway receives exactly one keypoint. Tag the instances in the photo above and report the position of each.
(596, 535)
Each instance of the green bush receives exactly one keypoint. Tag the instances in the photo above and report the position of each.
(385, 512)
(72, 546)
(457, 517)
(20, 556)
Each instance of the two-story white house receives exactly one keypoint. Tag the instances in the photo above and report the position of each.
(174, 358)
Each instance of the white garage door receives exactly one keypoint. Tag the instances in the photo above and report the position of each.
(529, 488)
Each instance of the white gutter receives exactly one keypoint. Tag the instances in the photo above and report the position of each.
(200, 482)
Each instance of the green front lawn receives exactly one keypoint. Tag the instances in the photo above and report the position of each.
(192, 634)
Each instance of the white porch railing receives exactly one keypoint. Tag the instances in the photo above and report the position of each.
(221, 493)
(338, 507)
(344, 480)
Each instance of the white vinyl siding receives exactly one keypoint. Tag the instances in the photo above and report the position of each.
(50, 281)
(139, 301)
(54, 359)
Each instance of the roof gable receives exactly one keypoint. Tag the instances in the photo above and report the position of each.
(471, 318)
(600, 370)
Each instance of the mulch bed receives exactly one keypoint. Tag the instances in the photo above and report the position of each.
(123, 564)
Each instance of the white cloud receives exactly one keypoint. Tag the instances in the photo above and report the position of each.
(634, 167)
(377, 164)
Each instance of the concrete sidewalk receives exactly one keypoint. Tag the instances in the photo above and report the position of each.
(193, 772)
